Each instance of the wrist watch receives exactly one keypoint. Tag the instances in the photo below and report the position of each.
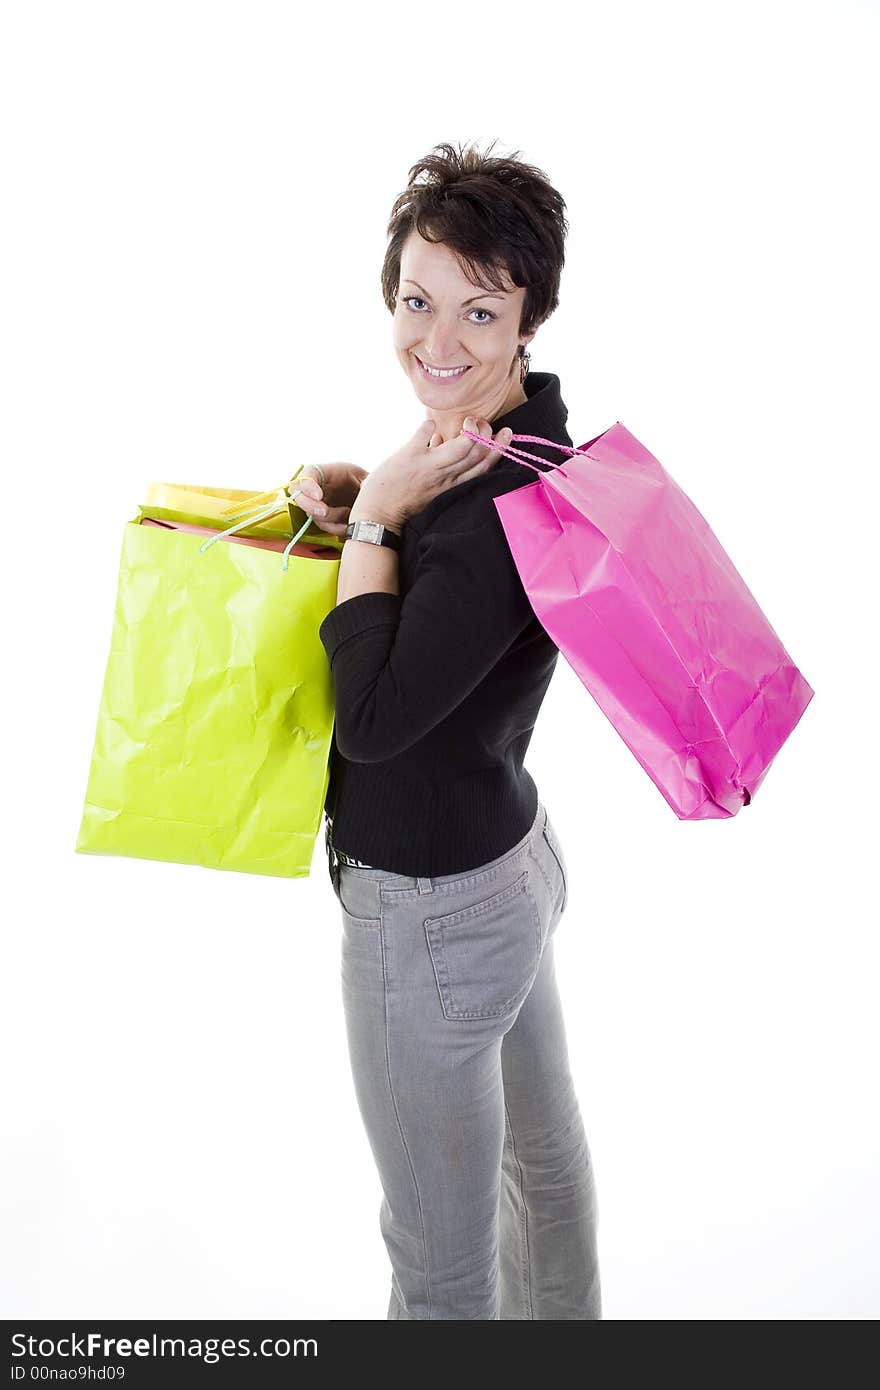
(376, 532)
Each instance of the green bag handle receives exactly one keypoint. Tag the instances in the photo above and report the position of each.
(282, 499)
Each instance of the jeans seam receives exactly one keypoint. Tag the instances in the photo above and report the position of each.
(399, 1123)
(543, 874)
(562, 871)
(526, 1261)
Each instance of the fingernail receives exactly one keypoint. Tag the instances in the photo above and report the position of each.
(321, 509)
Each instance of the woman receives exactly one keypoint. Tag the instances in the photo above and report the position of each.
(448, 871)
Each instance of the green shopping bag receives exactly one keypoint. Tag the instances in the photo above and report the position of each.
(213, 736)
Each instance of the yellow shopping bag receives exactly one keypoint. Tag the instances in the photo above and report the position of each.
(219, 506)
(216, 716)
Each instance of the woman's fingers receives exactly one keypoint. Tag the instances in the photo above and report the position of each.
(480, 457)
(311, 487)
(484, 428)
(308, 494)
(330, 519)
(333, 528)
(484, 453)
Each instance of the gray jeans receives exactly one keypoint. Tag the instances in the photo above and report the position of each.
(461, 1072)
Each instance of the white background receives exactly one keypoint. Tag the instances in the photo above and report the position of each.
(195, 207)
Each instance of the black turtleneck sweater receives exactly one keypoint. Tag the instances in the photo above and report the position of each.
(437, 688)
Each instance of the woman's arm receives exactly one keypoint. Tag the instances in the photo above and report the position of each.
(366, 568)
(401, 486)
(400, 665)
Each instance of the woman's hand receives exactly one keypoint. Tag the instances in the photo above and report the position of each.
(408, 480)
(328, 506)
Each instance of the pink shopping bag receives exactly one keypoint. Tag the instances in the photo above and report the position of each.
(628, 579)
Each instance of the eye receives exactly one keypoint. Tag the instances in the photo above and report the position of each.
(414, 297)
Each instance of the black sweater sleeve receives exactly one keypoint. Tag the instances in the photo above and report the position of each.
(402, 663)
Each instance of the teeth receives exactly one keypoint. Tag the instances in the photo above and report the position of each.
(450, 371)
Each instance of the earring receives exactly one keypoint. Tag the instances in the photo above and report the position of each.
(524, 359)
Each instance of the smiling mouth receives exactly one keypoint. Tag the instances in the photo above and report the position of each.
(440, 373)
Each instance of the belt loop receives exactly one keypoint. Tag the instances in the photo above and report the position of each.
(426, 885)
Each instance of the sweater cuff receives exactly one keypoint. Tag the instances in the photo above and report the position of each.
(358, 614)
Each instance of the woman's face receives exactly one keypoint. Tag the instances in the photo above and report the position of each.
(443, 320)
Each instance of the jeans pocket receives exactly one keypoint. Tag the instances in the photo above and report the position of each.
(486, 954)
(358, 898)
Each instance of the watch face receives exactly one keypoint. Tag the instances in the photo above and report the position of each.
(370, 530)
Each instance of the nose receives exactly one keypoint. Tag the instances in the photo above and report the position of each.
(443, 349)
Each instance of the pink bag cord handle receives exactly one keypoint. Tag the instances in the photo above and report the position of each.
(522, 454)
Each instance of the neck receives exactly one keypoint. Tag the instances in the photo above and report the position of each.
(449, 424)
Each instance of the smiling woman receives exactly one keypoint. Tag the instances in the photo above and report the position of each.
(448, 871)
(472, 268)
(443, 340)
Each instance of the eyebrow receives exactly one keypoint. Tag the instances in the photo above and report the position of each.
(488, 294)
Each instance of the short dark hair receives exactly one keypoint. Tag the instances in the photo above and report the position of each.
(495, 214)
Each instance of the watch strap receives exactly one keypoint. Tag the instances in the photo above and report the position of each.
(374, 532)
